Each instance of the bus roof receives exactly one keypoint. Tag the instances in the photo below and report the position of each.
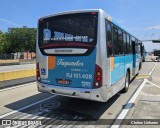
(71, 12)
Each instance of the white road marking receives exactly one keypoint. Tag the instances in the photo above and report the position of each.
(20, 109)
(153, 84)
(2, 90)
(38, 118)
(152, 69)
(129, 105)
(32, 116)
(131, 101)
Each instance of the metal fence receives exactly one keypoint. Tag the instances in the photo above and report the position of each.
(18, 55)
(6, 56)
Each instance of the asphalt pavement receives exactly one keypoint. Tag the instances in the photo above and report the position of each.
(147, 108)
(17, 67)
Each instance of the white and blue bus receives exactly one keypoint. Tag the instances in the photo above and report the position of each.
(85, 54)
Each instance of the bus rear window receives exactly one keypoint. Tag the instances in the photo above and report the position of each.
(68, 31)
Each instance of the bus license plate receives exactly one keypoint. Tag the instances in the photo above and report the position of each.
(62, 81)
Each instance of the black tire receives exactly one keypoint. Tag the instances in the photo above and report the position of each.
(127, 82)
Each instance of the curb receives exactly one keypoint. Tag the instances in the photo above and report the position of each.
(6, 64)
(12, 75)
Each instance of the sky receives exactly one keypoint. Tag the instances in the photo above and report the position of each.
(140, 17)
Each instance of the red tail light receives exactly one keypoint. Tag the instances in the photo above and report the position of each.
(93, 13)
(97, 77)
(37, 72)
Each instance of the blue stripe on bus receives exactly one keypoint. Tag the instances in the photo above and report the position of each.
(121, 64)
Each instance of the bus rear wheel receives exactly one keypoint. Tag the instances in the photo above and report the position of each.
(127, 82)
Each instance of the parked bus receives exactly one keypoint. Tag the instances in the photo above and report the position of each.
(85, 54)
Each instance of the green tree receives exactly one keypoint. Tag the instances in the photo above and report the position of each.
(1, 46)
(18, 40)
(3, 43)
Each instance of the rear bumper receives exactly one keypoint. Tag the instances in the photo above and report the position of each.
(89, 94)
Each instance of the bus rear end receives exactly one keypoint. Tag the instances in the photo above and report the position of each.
(66, 55)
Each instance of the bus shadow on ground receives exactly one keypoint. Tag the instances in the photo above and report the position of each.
(68, 108)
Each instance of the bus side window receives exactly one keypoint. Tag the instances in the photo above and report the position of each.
(120, 42)
(141, 47)
(137, 47)
(115, 40)
(128, 45)
(133, 45)
(109, 39)
(125, 43)
(131, 50)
